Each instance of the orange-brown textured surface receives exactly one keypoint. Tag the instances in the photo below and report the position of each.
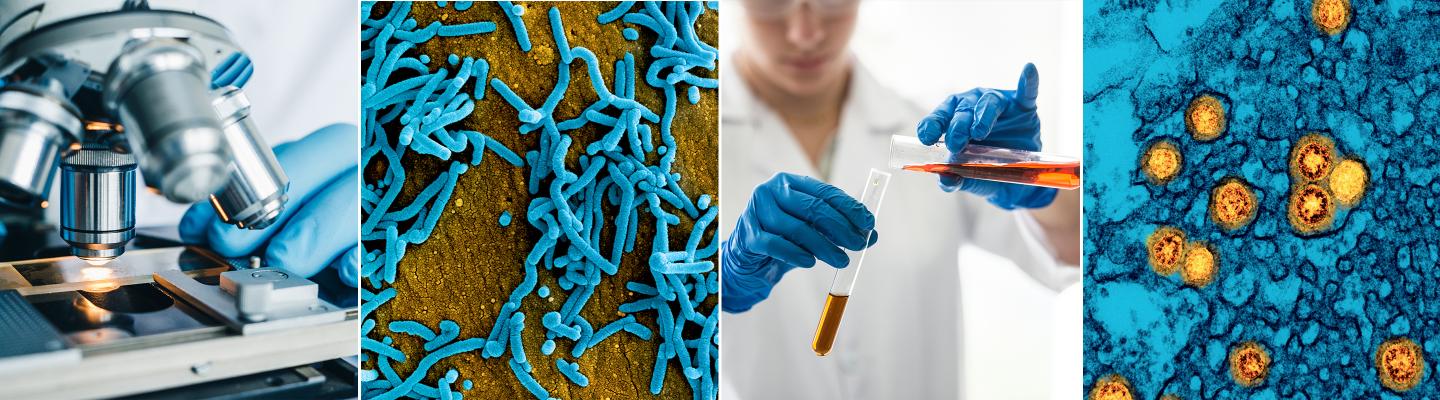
(468, 268)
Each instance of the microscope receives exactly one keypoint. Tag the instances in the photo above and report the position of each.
(97, 93)
(96, 99)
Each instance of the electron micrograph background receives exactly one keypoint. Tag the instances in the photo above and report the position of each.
(1317, 297)
(540, 186)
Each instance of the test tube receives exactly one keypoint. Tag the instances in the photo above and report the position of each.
(986, 163)
(844, 281)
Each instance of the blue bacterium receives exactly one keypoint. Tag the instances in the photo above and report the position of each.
(620, 177)
(572, 371)
(466, 29)
(513, 13)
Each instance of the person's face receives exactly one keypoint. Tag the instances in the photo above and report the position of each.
(800, 45)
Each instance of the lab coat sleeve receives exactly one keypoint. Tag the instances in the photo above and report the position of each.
(1017, 236)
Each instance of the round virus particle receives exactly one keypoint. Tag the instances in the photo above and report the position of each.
(1311, 209)
(1205, 119)
(1347, 181)
(1232, 204)
(1312, 158)
(1162, 161)
(1400, 364)
(1249, 363)
(1331, 16)
(1112, 387)
(1167, 249)
(1200, 265)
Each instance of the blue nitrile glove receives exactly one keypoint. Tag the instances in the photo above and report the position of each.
(790, 222)
(320, 225)
(234, 70)
(991, 117)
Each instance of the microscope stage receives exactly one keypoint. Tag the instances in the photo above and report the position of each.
(138, 335)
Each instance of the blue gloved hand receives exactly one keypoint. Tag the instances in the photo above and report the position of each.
(790, 222)
(320, 225)
(991, 117)
(234, 70)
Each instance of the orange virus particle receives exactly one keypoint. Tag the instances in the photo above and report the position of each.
(1331, 16)
(1112, 387)
(1400, 364)
(1347, 181)
(1199, 267)
(1249, 363)
(1162, 162)
(1232, 204)
(1170, 397)
(1312, 209)
(1167, 249)
(1312, 157)
(1205, 119)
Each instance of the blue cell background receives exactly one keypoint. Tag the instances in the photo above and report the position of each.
(1320, 304)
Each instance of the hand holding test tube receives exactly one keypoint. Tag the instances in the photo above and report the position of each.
(792, 221)
(844, 281)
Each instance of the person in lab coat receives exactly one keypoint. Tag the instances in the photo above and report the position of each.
(802, 122)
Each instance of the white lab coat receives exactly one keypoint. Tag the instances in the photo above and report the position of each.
(900, 337)
(307, 76)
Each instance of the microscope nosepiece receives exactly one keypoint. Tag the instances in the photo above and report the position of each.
(159, 88)
(35, 127)
(255, 195)
(97, 203)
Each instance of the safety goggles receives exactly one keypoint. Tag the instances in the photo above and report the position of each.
(776, 9)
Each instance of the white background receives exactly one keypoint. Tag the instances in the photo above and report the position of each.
(1022, 340)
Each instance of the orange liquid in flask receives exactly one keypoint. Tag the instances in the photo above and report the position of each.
(1059, 175)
